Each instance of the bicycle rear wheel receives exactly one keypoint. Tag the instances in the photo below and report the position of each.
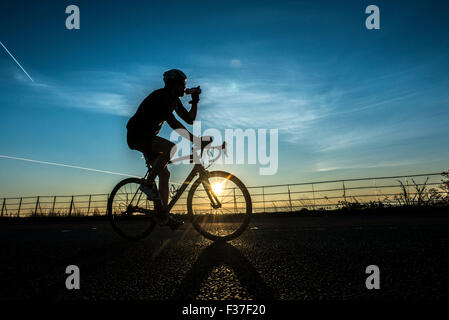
(130, 212)
(231, 218)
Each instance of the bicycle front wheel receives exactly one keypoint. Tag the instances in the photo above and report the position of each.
(227, 220)
(130, 212)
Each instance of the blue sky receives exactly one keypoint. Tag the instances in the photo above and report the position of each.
(348, 102)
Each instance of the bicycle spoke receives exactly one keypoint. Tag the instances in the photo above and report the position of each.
(231, 217)
(228, 210)
(133, 224)
(223, 196)
(233, 199)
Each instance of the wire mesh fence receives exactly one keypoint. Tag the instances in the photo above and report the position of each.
(417, 189)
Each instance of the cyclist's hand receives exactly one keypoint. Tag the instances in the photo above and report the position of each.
(195, 94)
(195, 98)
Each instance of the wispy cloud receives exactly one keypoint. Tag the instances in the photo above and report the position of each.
(257, 104)
(295, 104)
(323, 166)
(102, 91)
(225, 102)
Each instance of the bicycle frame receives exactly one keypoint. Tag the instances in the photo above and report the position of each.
(197, 169)
(203, 174)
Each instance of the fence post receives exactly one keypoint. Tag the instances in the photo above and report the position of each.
(408, 189)
(71, 205)
(290, 199)
(4, 205)
(88, 206)
(107, 200)
(313, 195)
(18, 210)
(377, 190)
(263, 198)
(53, 206)
(37, 205)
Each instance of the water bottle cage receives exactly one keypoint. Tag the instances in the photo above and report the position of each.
(173, 190)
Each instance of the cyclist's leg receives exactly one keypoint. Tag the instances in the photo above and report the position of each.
(162, 151)
(164, 177)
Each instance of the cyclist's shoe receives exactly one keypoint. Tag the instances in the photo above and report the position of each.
(174, 223)
(164, 219)
(149, 189)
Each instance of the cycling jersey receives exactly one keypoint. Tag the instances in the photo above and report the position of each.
(146, 123)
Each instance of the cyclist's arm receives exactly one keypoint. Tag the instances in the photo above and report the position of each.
(187, 116)
(175, 124)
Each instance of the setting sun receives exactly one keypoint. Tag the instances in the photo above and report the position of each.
(217, 187)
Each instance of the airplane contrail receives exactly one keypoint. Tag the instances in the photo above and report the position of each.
(16, 61)
(75, 167)
(68, 166)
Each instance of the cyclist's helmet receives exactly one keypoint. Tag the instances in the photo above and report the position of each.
(174, 75)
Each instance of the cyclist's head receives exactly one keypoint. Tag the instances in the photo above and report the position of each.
(175, 80)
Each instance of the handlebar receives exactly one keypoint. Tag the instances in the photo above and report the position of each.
(207, 146)
(194, 156)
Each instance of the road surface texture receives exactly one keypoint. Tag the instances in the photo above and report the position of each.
(277, 258)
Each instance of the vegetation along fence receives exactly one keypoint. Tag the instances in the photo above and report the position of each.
(416, 189)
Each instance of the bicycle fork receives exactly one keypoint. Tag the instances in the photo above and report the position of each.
(214, 202)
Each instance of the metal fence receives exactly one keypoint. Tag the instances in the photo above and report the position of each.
(391, 190)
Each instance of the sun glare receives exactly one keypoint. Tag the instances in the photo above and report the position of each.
(217, 187)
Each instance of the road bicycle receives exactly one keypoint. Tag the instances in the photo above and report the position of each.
(218, 204)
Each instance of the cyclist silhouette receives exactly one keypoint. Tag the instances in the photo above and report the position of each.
(143, 129)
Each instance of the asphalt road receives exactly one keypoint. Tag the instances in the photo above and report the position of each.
(278, 258)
